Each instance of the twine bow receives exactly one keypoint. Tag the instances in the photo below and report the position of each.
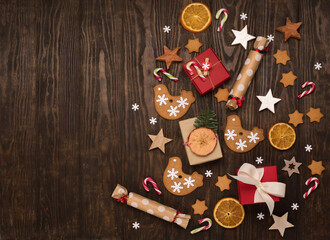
(249, 174)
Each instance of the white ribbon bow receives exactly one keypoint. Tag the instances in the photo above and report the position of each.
(249, 174)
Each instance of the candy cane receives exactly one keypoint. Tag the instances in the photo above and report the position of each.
(224, 19)
(199, 71)
(306, 92)
(309, 180)
(170, 76)
(154, 184)
(204, 227)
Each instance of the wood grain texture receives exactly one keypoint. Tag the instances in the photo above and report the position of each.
(69, 74)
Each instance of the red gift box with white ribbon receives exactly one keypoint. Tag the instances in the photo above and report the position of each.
(206, 71)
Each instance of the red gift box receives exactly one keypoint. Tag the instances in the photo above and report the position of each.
(246, 192)
(218, 74)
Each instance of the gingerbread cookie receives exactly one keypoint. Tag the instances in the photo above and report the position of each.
(315, 114)
(288, 79)
(193, 45)
(223, 183)
(241, 140)
(169, 56)
(177, 182)
(296, 118)
(172, 107)
(199, 207)
(281, 57)
(316, 167)
(222, 95)
(290, 29)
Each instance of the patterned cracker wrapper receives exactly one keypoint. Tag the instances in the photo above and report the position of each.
(149, 206)
(248, 70)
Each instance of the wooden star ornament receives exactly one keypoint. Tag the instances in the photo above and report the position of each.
(159, 141)
(193, 45)
(223, 183)
(222, 95)
(290, 30)
(316, 167)
(169, 56)
(281, 57)
(199, 207)
(296, 118)
(291, 166)
(281, 223)
(268, 101)
(315, 114)
(288, 79)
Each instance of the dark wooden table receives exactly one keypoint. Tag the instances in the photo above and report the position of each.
(68, 134)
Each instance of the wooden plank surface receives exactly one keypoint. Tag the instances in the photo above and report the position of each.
(69, 73)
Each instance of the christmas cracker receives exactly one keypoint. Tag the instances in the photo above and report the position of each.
(248, 70)
(149, 206)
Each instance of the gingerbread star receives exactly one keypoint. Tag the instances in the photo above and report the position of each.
(291, 166)
(296, 118)
(199, 207)
(290, 30)
(193, 45)
(315, 114)
(281, 57)
(223, 183)
(316, 167)
(222, 95)
(288, 79)
(159, 141)
(169, 56)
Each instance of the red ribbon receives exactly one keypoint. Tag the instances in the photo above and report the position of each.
(122, 199)
(266, 49)
(178, 212)
(239, 101)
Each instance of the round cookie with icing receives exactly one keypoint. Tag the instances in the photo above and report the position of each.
(172, 107)
(241, 140)
(177, 182)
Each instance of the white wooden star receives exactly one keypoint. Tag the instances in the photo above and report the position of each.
(281, 223)
(268, 101)
(242, 37)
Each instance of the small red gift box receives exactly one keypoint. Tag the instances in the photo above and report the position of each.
(218, 74)
(246, 192)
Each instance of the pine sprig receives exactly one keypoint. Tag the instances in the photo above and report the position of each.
(207, 119)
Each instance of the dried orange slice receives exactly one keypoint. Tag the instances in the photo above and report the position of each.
(202, 141)
(281, 136)
(228, 213)
(196, 17)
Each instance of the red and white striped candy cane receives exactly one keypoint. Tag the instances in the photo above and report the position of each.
(199, 71)
(202, 228)
(224, 19)
(309, 180)
(170, 76)
(306, 92)
(154, 184)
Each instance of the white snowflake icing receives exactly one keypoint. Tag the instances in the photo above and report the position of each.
(230, 134)
(270, 38)
(243, 16)
(308, 148)
(208, 173)
(176, 187)
(135, 107)
(162, 100)
(189, 182)
(241, 144)
(318, 66)
(182, 102)
(173, 111)
(153, 120)
(136, 225)
(259, 160)
(167, 29)
(172, 174)
(294, 206)
(253, 137)
(260, 216)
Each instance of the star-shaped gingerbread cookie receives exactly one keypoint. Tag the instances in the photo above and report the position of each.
(222, 95)
(290, 30)
(316, 167)
(296, 118)
(159, 141)
(288, 79)
(223, 183)
(193, 45)
(199, 207)
(281, 57)
(291, 166)
(169, 56)
(315, 114)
